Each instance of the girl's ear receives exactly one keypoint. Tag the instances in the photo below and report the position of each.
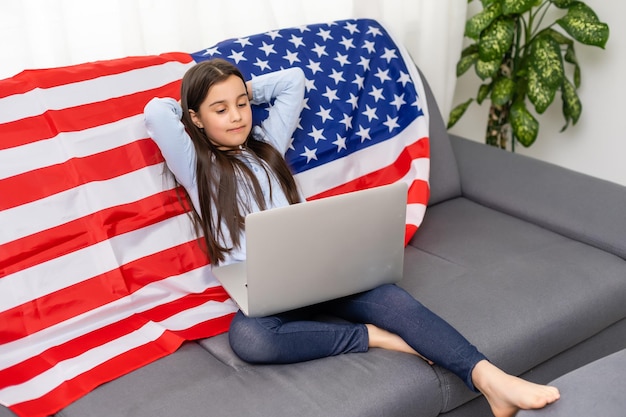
(195, 119)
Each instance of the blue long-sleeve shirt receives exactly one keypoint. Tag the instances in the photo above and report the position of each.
(163, 122)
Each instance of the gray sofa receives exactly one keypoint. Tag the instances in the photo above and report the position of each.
(526, 259)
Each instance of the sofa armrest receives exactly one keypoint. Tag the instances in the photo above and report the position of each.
(575, 205)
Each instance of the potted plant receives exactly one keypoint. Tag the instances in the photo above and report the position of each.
(522, 59)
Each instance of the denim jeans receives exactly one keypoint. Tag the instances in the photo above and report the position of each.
(296, 336)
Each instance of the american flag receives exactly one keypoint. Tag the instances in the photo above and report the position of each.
(100, 270)
(365, 120)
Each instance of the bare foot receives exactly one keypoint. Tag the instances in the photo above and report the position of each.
(384, 339)
(507, 394)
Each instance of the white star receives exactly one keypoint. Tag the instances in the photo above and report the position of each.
(340, 142)
(369, 45)
(304, 28)
(337, 76)
(317, 134)
(237, 56)
(370, 113)
(296, 40)
(319, 50)
(342, 59)
(389, 54)
(391, 123)
(352, 28)
(346, 121)
(358, 80)
(365, 63)
(382, 75)
(416, 103)
(347, 43)
(211, 51)
(274, 34)
(314, 67)
(309, 85)
(243, 42)
(291, 144)
(305, 103)
(374, 31)
(398, 101)
(404, 78)
(330, 94)
(324, 114)
(292, 57)
(354, 100)
(377, 93)
(267, 48)
(325, 34)
(263, 65)
(363, 133)
(309, 153)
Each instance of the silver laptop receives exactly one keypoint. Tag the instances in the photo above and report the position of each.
(320, 250)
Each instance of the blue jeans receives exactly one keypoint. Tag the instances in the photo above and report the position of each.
(295, 336)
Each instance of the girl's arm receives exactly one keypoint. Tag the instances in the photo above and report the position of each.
(162, 118)
(286, 88)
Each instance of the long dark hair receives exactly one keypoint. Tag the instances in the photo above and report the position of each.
(217, 171)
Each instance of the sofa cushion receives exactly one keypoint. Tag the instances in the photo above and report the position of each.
(519, 292)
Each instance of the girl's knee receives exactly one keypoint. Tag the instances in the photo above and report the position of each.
(251, 340)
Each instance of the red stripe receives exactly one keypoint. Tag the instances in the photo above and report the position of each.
(387, 175)
(72, 119)
(54, 77)
(36, 365)
(77, 234)
(77, 387)
(27, 187)
(54, 308)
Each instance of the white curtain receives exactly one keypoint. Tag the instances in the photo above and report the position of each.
(49, 33)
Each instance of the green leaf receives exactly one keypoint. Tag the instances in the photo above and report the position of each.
(539, 93)
(479, 22)
(487, 69)
(563, 4)
(545, 59)
(570, 56)
(572, 106)
(497, 39)
(457, 112)
(510, 7)
(503, 89)
(465, 63)
(525, 126)
(483, 92)
(557, 36)
(582, 24)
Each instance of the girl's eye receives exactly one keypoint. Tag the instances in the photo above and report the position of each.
(220, 111)
(243, 104)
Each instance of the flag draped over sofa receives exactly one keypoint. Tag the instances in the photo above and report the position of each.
(100, 269)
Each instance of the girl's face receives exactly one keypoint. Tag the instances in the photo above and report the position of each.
(225, 114)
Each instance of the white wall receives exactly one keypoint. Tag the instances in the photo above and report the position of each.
(596, 145)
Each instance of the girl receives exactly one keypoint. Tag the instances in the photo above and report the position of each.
(230, 168)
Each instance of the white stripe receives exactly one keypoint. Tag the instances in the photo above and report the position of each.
(102, 88)
(415, 213)
(150, 296)
(68, 369)
(80, 201)
(370, 159)
(81, 265)
(67, 145)
(187, 318)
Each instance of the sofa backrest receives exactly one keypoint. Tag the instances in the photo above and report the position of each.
(445, 181)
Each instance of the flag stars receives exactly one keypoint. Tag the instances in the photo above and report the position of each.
(267, 48)
(324, 114)
(342, 59)
(391, 123)
(331, 95)
(404, 78)
(292, 57)
(237, 56)
(382, 75)
(374, 31)
(309, 154)
(398, 101)
(352, 28)
(211, 51)
(346, 121)
(365, 63)
(370, 112)
(347, 43)
(274, 34)
(337, 76)
(377, 93)
(320, 50)
(317, 134)
(263, 65)
(340, 143)
(389, 54)
(243, 42)
(314, 66)
(296, 40)
(324, 34)
(363, 133)
(309, 85)
(359, 81)
(369, 45)
(353, 100)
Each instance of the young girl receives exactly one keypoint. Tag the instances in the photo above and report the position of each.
(230, 168)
